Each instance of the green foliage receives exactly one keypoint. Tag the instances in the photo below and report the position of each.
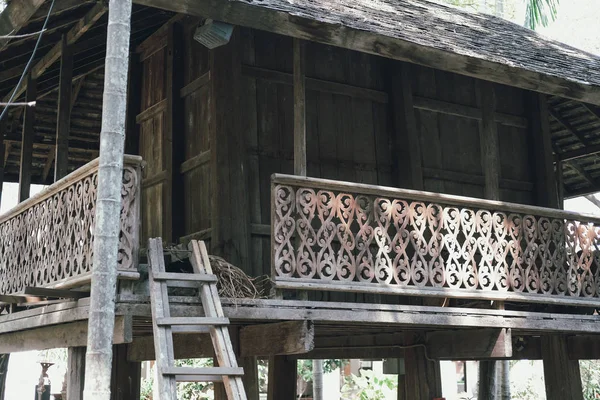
(369, 386)
(590, 377)
(538, 12)
(305, 367)
(187, 390)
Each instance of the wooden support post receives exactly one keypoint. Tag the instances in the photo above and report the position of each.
(561, 375)
(282, 378)
(4, 358)
(490, 154)
(406, 148)
(250, 378)
(230, 221)
(422, 379)
(63, 120)
(27, 142)
(126, 375)
(299, 109)
(547, 195)
(487, 387)
(175, 119)
(2, 155)
(560, 183)
(75, 373)
(134, 103)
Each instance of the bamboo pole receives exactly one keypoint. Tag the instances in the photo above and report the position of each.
(108, 206)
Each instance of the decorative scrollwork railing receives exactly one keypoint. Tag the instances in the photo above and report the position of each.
(48, 239)
(337, 236)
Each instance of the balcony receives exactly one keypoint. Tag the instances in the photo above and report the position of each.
(47, 240)
(347, 237)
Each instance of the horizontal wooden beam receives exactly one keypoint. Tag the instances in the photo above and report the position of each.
(184, 346)
(73, 334)
(282, 338)
(584, 151)
(476, 344)
(269, 16)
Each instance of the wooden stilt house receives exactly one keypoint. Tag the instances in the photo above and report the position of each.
(397, 168)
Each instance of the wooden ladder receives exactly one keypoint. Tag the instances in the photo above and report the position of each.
(213, 323)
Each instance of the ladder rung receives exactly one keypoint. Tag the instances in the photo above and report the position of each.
(180, 321)
(190, 329)
(174, 276)
(209, 372)
(198, 378)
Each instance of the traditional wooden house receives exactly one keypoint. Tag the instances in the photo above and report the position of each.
(396, 167)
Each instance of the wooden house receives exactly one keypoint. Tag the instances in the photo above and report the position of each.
(396, 167)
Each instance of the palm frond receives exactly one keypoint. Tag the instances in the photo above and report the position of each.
(539, 11)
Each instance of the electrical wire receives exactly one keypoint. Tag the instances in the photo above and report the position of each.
(25, 35)
(37, 43)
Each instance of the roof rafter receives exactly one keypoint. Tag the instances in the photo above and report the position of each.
(16, 14)
(81, 27)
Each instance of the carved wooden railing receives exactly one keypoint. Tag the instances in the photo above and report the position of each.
(48, 239)
(337, 236)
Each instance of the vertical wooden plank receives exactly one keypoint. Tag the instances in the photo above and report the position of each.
(134, 103)
(547, 195)
(2, 155)
(174, 200)
(250, 377)
(406, 148)
(299, 109)
(126, 375)
(490, 156)
(230, 221)
(561, 375)
(27, 141)
(63, 119)
(422, 380)
(4, 358)
(560, 184)
(282, 378)
(75, 372)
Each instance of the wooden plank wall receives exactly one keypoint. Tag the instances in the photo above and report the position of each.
(353, 130)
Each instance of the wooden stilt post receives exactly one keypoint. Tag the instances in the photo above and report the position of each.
(299, 109)
(2, 155)
(27, 142)
(75, 373)
(561, 375)
(422, 376)
(126, 375)
(63, 120)
(3, 371)
(282, 378)
(250, 377)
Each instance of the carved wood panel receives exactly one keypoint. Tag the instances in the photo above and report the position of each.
(51, 240)
(324, 233)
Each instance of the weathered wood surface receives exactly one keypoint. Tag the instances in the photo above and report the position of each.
(63, 119)
(72, 334)
(59, 221)
(184, 346)
(411, 242)
(282, 338)
(75, 372)
(469, 345)
(282, 378)
(27, 138)
(14, 16)
(561, 375)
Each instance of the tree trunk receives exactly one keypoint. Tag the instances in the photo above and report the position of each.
(108, 205)
(318, 380)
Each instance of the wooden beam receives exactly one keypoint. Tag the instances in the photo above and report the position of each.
(547, 194)
(568, 127)
(282, 378)
(299, 109)
(15, 15)
(422, 375)
(49, 163)
(81, 27)
(584, 151)
(2, 155)
(561, 375)
(488, 133)
(27, 141)
(73, 334)
(271, 16)
(406, 148)
(63, 118)
(75, 372)
(469, 345)
(185, 346)
(75, 91)
(282, 338)
(55, 293)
